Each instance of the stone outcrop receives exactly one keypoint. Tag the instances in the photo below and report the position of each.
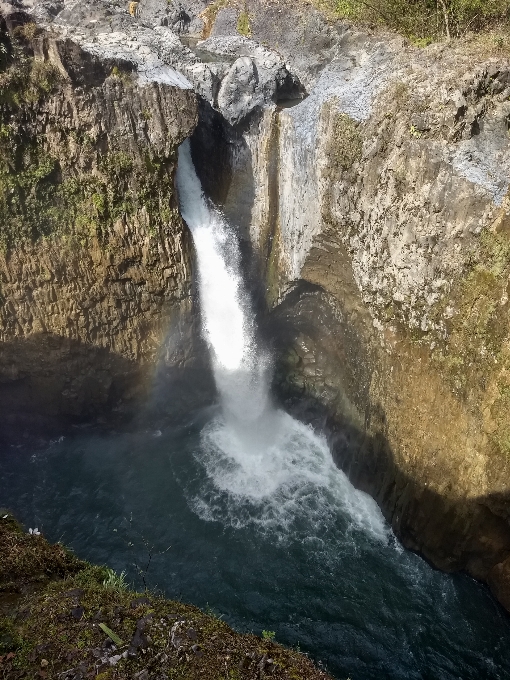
(234, 74)
(96, 261)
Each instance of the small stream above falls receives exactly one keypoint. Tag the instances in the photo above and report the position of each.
(245, 512)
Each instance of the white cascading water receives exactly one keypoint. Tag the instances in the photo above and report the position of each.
(265, 467)
(240, 371)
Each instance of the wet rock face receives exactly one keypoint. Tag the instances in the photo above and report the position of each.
(100, 273)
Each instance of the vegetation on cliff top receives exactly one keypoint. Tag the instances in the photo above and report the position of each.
(425, 20)
(75, 620)
(421, 21)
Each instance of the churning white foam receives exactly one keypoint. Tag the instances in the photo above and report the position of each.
(285, 481)
(263, 466)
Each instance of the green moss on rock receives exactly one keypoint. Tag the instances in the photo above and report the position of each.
(479, 315)
(64, 183)
(73, 626)
(40, 198)
(243, 24)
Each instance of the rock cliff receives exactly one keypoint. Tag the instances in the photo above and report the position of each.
(389, 264)
(370, 180)
(379, 210)
(95, 262)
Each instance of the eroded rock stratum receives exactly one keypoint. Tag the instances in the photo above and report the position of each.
(95, 263)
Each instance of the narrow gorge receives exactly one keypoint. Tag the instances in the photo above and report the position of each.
(254, 306)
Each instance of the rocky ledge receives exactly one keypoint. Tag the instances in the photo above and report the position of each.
(61, 617)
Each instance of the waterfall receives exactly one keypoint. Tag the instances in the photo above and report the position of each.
(241, 370)
(264, 467)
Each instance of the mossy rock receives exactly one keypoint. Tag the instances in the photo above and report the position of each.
(74, 189)
(28, 559)
(346, 143)
(243, 24)
(10, 639)
(84, 622)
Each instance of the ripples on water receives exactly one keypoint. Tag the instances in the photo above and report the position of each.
(294, 549)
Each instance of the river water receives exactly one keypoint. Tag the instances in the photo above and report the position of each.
(301, 564)
(241, 509)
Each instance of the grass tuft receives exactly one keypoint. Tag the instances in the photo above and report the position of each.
(84, 621)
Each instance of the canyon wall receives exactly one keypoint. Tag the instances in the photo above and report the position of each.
(95, 262)
(386, 252)
(391, 261)
(368, 177)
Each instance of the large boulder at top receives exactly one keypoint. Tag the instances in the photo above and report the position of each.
(256, 77)
(238, 89)
(233, 74)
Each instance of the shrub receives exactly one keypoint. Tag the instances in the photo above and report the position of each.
(426, 19)
(209, 14)
(243, 24)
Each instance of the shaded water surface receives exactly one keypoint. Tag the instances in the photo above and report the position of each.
(312, 560)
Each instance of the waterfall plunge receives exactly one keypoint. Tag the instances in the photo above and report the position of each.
(241, 371)
(265, 467)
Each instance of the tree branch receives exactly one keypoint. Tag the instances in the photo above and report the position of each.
(446, 18)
